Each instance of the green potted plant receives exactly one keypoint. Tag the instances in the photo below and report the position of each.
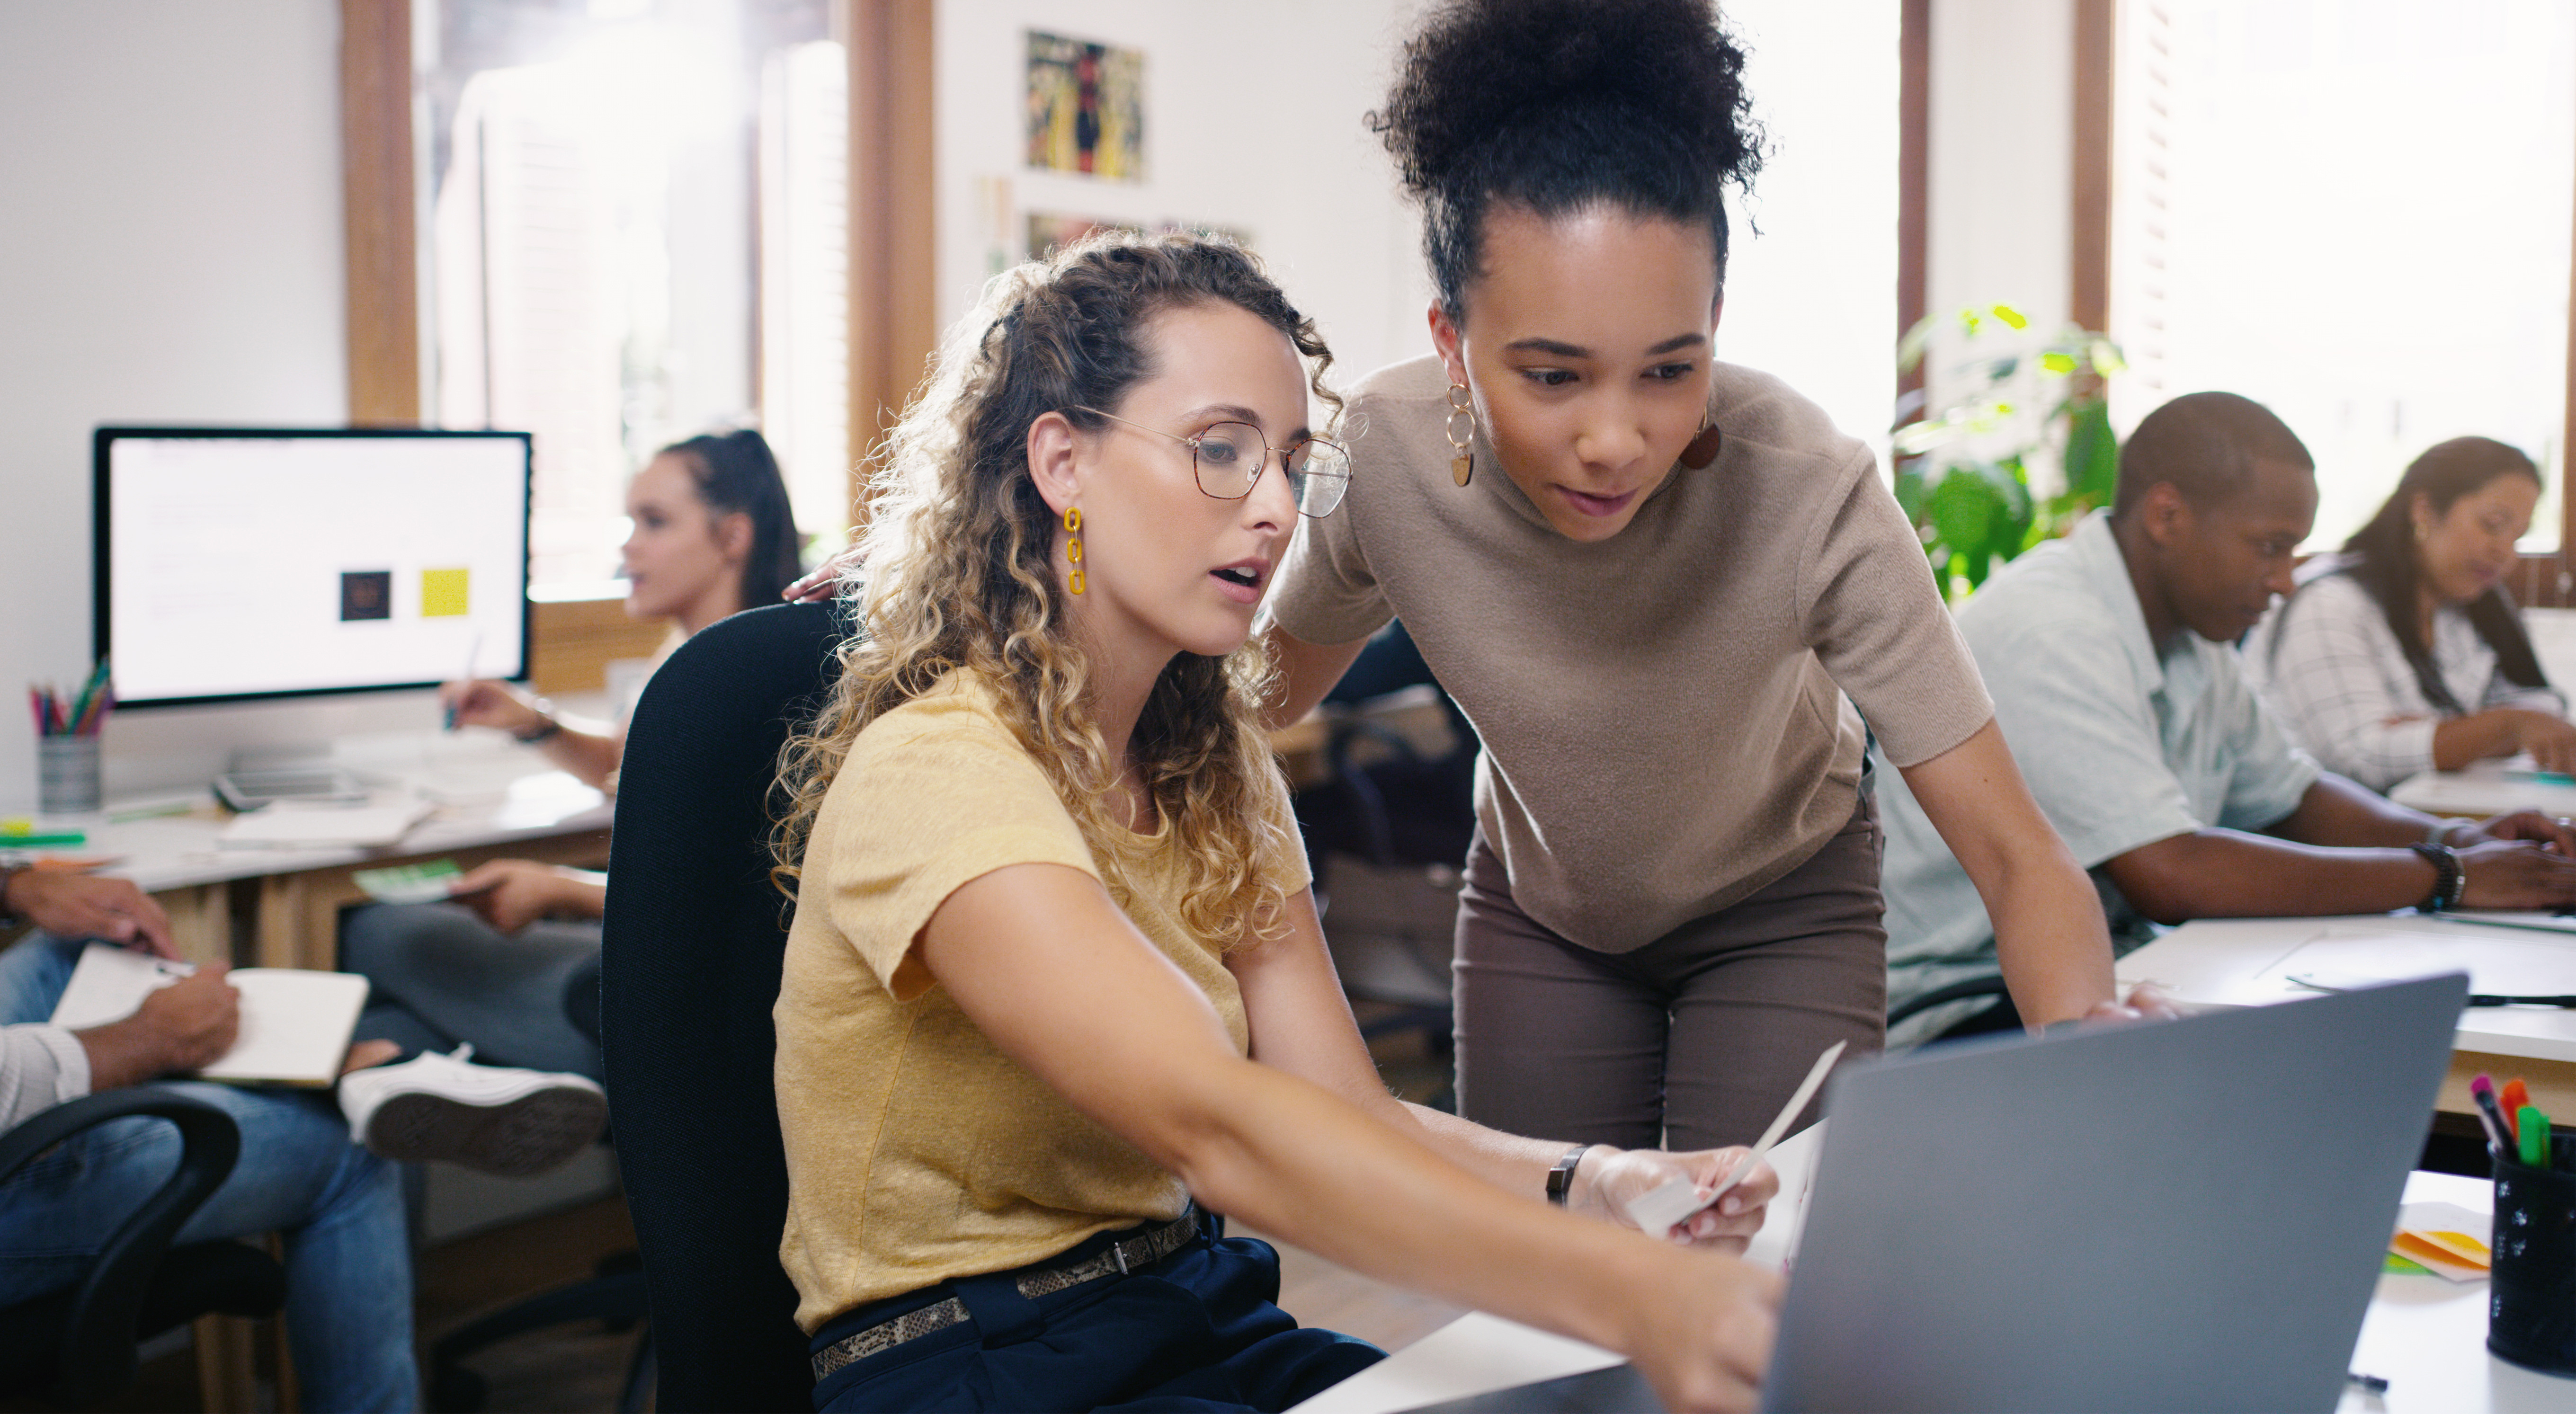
(2012, 444)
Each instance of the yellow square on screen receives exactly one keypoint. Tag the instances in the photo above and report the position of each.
(443, 593)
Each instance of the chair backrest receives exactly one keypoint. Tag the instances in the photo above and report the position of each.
(693, 938)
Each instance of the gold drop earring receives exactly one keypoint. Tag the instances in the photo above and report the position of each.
(1073, 546)
(1462, 464)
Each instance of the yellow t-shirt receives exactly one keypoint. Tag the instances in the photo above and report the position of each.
(916, 1152)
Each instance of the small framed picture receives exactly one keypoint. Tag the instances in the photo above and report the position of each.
(1086, 108)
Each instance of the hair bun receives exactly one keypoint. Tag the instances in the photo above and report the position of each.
(1478, 69)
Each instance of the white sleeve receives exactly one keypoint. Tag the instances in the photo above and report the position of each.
(2343, 687)
(40, 1067)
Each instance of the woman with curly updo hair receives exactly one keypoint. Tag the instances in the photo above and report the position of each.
(1658, 585)
(1055, 970)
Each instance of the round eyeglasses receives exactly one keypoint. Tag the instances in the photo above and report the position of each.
(1229, 458)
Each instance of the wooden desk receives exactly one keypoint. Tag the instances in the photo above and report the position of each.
(2426, 1337)
(280, 907)
(2219, 962)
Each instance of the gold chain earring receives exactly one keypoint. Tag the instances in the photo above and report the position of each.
(1462, 464)
(1073, 546)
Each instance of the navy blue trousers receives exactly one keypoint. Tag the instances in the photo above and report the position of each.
(1197, 1331)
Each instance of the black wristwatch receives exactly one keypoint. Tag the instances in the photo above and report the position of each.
(2449, 879)
(1560, 1179)
(8, 875)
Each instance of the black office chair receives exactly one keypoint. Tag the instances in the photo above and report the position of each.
(694, 937)
(76, 1347)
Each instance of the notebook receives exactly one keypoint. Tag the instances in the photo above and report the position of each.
(295, 1025)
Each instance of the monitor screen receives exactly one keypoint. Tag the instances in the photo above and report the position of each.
(237, 564)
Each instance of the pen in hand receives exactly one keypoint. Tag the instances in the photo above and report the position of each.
(473, 655)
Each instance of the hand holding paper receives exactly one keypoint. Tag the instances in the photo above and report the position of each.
(1678, 1201)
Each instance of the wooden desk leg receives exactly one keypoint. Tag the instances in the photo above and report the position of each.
(227, 1380)
(201, 923)
(282, 916)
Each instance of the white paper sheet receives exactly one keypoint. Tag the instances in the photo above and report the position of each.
(292, 823)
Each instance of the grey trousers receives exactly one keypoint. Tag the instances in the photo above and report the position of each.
(441, 976)
(1693, 1041)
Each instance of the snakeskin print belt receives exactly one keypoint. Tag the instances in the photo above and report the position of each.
(1119, 1258)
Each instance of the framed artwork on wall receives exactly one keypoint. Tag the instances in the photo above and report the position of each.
(1086, 108)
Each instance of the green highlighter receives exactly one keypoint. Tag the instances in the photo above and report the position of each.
(2531, 1128)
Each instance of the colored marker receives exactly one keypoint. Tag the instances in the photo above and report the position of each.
(2511, 1099)
(2533, 1126)
(2499, 1137)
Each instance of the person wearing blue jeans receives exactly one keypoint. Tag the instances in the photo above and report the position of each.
(338, 1207)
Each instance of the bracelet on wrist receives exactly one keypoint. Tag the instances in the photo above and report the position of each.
(1560, 1179)
(2449, 879)
(546, 725)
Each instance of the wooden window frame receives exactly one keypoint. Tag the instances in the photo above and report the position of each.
(893, 244)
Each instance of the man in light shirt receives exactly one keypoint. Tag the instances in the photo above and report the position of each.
(2109, 656)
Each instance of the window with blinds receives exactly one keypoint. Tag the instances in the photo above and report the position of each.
(636, 233)
(2357, 214)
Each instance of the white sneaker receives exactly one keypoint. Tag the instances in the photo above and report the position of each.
(499, 1119)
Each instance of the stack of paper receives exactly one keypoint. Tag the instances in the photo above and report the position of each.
(291, 824)
(2441, 1239)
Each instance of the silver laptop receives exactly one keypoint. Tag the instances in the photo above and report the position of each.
(2182, 1216)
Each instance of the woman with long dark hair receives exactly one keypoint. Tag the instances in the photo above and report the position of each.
(712, 535)
(2404, 653)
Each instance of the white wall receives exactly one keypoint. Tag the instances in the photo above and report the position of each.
(170, 249)
(1257, 128)
(170, 244)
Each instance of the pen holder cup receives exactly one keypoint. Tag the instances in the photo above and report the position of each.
(2531, 1300)
(67, 775)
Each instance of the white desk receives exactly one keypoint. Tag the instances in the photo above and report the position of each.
(500, 799)
(2223, 962)
(2487, 788)
(2423, 1335)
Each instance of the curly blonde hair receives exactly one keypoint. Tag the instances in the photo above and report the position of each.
(958, 574)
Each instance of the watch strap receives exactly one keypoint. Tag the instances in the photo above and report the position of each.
(2449, 879)
(1560, 1179)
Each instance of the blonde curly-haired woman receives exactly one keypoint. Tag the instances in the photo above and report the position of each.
(1055, 970)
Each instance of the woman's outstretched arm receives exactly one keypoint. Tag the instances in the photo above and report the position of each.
(1301, 1023)
(2049, 932)
(1043, 962)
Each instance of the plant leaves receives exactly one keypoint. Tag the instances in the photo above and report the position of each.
(1965, 514)
(2092, 454)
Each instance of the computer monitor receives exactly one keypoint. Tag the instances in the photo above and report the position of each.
(238, 563)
